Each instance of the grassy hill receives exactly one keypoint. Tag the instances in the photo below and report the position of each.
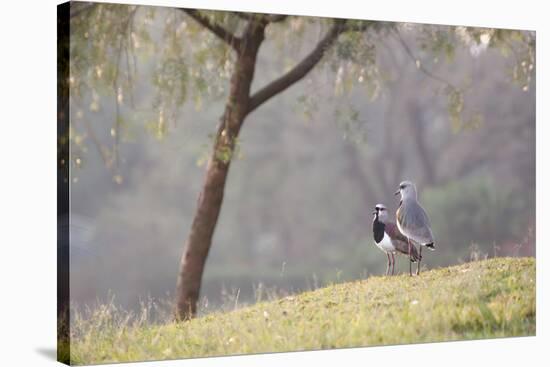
(485, 299)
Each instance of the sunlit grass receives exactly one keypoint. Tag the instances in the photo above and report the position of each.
(485, 299)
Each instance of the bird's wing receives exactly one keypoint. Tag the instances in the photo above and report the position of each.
(394, 232)
(414, 218)
(403, 247)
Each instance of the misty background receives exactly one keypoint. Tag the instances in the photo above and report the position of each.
(312, 164)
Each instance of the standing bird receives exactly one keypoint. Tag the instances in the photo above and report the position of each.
(413, 221)
(388, 238)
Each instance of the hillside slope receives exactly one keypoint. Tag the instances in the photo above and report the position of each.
(486, 299)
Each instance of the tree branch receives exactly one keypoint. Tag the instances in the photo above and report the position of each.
(419, 65)
(299, 71)
(216, 29)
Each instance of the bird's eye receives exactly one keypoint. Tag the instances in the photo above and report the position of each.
(402, 187)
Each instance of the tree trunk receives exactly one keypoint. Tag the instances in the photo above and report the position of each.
(239, 105)
(211, 197)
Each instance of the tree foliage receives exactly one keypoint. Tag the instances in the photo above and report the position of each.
(193, 65)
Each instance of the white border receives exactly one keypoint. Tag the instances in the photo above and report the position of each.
(28, 181)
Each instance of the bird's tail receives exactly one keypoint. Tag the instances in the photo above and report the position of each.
(430, 246)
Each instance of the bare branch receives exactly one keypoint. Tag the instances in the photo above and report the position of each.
(307, 64)
(299, 71)
(419, 64)
(216, 29)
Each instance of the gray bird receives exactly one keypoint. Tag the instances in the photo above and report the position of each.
(388, 238)
(413, 221)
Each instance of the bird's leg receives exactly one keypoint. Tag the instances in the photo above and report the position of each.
(419, 260)
(393, 263)
(388, 268)
(410, 257)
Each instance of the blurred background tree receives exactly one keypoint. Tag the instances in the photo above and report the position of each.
(436, 104)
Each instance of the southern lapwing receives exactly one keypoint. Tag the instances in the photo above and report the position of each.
(413, 221)
(388, 238)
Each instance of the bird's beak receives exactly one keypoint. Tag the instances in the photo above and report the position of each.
(397, 192)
